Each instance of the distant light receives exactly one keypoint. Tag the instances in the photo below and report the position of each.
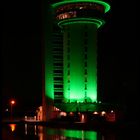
(112, 111)
(25, 118)
(71, 113)
(56, 109)
(83, 118)
(6, 109)
(12, 102)
(63, 114)
(95, 112)
(103, 113)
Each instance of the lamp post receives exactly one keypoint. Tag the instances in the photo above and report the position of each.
(12, 102)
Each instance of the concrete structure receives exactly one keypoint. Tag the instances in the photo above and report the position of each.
(70, 68)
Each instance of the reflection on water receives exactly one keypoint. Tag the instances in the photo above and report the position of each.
(13, 127)
(38, 132)
(44, 133)
(73, 134)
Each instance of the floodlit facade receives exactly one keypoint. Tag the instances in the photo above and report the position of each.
(71, 54)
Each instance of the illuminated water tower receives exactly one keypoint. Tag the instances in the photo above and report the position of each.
(72, 74)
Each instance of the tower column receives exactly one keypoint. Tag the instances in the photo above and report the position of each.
(80, 62)
(71, 74)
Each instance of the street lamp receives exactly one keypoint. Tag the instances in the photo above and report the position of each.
(12, 102)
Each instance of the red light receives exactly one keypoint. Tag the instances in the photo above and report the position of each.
(12, 102)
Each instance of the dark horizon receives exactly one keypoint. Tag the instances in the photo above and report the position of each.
(22, 50)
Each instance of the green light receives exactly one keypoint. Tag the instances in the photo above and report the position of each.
(79, 74)
(77, 134)
(105, 4)
(49, 88)
(81, 83)
(97, 22)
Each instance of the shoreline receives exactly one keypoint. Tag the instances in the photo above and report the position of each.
(95, 126)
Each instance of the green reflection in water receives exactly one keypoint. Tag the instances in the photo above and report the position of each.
(79, 134)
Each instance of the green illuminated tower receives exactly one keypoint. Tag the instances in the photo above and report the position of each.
(71, 57)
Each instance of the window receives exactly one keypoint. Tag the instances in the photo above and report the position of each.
(85, 56)
(68, 50)
(58, 71)
(68, 72)
(85, 41)
(68, 65)
(58, 86)
(85, 78)
(85, 86)
(58, 78)
(85, 63)
(58, 93)
(85, 71)
(68, 57)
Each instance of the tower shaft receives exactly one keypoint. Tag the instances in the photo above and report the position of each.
(80, 62)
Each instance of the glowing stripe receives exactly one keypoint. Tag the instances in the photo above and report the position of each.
(105, 4)
(98, 22)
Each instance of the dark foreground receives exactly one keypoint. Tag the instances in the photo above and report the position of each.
(21, 130)
(97, 126)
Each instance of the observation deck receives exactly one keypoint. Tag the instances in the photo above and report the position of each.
(91, 11)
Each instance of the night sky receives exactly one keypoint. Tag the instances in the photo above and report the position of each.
(21, 54)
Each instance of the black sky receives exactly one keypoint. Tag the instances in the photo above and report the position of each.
(21, 53)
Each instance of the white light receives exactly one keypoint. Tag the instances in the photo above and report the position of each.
(112, 111)
(95, 112)
(103, 113)
(63, 114)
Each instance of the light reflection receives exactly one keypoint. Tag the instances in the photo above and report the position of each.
(82, 135)
(13, 127)
(35, 130)
(40, 133)
(26, 130)
(29, 128)
(46, 133)
(73, 134)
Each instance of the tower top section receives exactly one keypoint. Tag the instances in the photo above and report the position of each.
(96, 2)
(80, 11)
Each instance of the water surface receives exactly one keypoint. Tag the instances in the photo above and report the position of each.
(39, 132)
